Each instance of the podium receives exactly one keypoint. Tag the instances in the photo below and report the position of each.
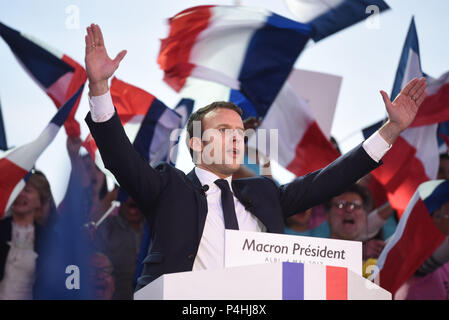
(272, 281)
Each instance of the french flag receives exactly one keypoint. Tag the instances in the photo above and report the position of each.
(247, 49)
(300, 141)
(147, 121)
(415, 238)
(321, 282)
(413, 159)
(301, 147)
(330, 16)
(56, 73)
(16, 163)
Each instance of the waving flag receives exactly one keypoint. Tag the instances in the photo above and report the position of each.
(413, 159)
(329, 16)
(435, 107)
(146, 120)
(57, 74)
(302, 146)
(3, 144)
(16, 163)
(416, 236)
(246, 49)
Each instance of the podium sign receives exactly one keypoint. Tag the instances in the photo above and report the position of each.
(248, 248)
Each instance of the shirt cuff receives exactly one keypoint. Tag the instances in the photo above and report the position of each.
(101, 107)
(376, 146)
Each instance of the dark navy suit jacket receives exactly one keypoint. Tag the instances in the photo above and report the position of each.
(175, 205)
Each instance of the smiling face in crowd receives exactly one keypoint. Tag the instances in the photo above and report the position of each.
(27, 202)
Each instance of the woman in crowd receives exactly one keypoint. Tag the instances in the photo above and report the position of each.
(21, 239)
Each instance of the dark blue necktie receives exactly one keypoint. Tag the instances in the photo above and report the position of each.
(227, 202)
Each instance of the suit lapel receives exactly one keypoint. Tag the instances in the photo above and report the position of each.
(201, 201)
(241, 192)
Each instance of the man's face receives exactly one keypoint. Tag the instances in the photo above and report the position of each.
(347, 217)
(222, 148)
(441, 218)
(101, 277)
(443, 170)
(130, 212)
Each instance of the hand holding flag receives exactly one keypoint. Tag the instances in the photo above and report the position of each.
(99, 66)
(402, 111)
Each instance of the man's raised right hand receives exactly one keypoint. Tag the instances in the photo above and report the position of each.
(99, 66)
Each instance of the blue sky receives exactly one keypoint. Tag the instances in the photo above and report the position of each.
(366, 59)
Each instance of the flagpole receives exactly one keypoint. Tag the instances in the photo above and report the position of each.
(114, 204)
(3, 143)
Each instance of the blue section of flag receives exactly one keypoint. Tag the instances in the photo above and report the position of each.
(368, 131)
(249, 110)
(143, 139)
(411, 43)
(67, 249)
(271, 54)
(187, 104)
(443, 128)
(3, 143)
(63, 112)
(44, 66)
(438, 197)
(347, 13)
(292, 281)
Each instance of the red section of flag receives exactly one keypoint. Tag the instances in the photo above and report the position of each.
(377, 191)
(175, 49)
(400, 174)
(72, 126)
(336, 283)
(313, 152)
(419, 240)
(129, 100)
(90, 145)
(61, 91)
(11, 174)
(434, 109)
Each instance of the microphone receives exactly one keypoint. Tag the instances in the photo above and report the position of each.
(205, 188)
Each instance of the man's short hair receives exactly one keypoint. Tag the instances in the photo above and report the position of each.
(200, 113)
(363, 192)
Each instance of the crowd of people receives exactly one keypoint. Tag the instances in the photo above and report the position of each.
(115, 246)
(45, 249)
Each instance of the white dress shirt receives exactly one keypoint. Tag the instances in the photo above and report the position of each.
(20, 265)
(211, 249)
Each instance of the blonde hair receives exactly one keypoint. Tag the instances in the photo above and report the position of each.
(38, 180)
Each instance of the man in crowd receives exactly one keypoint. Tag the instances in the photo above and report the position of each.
(188, 214)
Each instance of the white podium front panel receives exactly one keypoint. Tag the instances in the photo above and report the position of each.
(274, 281)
